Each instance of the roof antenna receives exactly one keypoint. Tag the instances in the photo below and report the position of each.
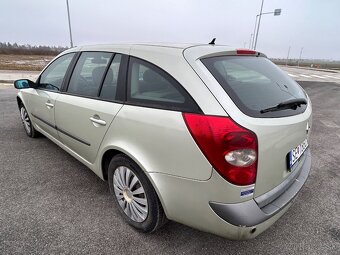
(212, 42)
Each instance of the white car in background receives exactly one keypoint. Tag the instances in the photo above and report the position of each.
(209, 136)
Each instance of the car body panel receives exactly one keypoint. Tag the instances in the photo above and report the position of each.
(72, 115)
(276, 136)
(122, 48)
(186, 200)
(159, 140)
(41, 106)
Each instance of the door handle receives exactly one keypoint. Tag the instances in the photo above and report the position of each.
(96, 120)
(49, 105)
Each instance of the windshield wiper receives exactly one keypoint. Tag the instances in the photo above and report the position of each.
(289, 104)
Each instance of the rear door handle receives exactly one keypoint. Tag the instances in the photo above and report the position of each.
(96, 120)
(49, 105)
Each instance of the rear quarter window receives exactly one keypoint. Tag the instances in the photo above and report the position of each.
(151, 86)
(254, 84)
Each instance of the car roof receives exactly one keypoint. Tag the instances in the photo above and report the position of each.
(141, 46)
(189, 50)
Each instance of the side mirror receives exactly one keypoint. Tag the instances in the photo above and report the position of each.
(24, 84)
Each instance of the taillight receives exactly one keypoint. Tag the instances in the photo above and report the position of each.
(230, 148)
(245, 52)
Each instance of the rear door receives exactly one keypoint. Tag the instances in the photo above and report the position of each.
(42, 99)
(85, 111)
(151, 127)
(247, 85)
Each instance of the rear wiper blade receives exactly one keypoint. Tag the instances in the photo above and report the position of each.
(289, 104)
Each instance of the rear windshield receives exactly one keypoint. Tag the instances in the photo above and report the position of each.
(255, 84)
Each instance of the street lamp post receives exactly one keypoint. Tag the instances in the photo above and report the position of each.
(276, 12)
(300, 57)
(287, 56)
(69, 22)
(252, 43)
(258, 27)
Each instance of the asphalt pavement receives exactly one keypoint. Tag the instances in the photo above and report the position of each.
(310, 74)
(52, 204)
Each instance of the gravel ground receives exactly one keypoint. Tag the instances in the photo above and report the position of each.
(24, 62)
(9, 76)
(52, 204)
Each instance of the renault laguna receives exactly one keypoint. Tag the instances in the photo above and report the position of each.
(209, 136)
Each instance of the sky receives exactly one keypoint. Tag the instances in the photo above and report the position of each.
(311, 24)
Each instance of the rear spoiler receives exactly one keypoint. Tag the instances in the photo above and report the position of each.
(237, 52)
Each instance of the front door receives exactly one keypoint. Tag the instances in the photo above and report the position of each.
(42, 99)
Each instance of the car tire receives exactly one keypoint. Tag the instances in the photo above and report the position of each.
(26, 121)
(134, 195)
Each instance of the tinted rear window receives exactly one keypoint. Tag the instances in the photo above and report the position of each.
(254, 84)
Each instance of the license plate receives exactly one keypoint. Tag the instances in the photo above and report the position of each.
(296, 153)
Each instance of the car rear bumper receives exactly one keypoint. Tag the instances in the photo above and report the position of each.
(215, 206)
(260, 209)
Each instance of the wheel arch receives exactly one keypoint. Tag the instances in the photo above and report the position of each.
(105, 161)
(22, 100)
(111, 152)
(19, 101)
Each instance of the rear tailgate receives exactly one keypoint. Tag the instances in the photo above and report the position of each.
(275, 143)
(278, 132)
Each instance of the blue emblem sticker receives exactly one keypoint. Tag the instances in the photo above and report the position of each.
(247, 192)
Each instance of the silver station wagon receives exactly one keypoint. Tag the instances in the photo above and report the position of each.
(209, 136)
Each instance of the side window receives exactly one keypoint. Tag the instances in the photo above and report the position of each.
(88, 73)
(109, 87)
(151, 86)
(53, 76)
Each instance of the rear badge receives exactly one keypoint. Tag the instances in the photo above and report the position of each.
(247, 192)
